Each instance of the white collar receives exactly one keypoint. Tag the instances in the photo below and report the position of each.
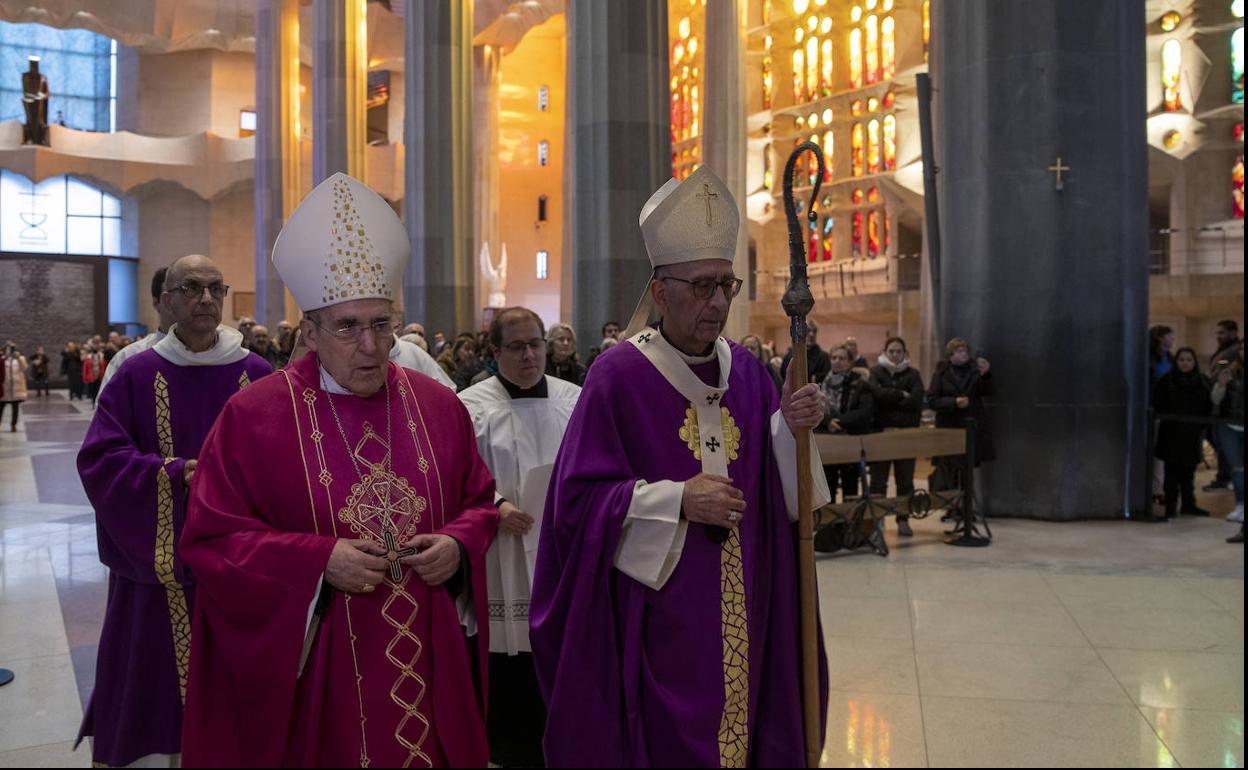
(330, 385)
(226, 349)
(667, 359)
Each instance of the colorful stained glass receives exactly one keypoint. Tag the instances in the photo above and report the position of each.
(855, 107)
(873, 147)
(855, 234)
(827, 238)
(873, 195)
(1237, 66)
(1237, 176)
(888, 47)
(799, 76)
(890, 143)
(873, 234)
(812, 68)
(812, 163)
(855, 58)
(1171, 74)
(827, 156)
(856, 197)
(825, 76)
(872, 54)
(890, 99)
(858, 148)
(768, 175)
(927, 27)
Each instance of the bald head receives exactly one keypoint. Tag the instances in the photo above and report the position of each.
(194, 295)
(191, 263)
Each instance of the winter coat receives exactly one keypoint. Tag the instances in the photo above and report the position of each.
(14, 377)
(818, 365)
(947, 385)
(898, 397)
(572, 371)
(1187, 394)
(851, 403)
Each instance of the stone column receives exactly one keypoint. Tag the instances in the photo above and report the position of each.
(619, 152)
(277, 145)
(339, 88)
(724, 132)
(439, 286)
(1051, 284)
(485, 122)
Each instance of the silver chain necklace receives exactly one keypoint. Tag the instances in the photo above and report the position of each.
(341, 432)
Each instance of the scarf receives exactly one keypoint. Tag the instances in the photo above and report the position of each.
(894, 369)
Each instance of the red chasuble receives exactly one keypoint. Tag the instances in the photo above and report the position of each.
(390, 678)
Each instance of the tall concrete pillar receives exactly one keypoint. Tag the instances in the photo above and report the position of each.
(619, 153)
(439, 287)
(339, 88)
(1049, 279)
(277, 146)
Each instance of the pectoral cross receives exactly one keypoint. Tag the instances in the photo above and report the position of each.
(712, 399)
(1058, 168)
(707, 194)
(393, 554)
(713, 444)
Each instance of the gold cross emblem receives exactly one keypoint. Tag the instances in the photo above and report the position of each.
(1058, 168)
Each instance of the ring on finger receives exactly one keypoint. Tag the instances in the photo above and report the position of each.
(368, 589)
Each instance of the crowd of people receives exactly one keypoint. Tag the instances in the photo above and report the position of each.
(1197, 404)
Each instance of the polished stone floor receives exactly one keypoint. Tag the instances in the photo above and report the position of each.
(1086, 644)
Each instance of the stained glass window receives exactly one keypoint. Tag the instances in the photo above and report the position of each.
(890, 143)
(927, 27)
(873, 147)
(812, 163)
(855, 234)
(855, 58)
(1237, 176)
(827, 238)
(873, 234)
(685, 65)
(59, 215)
(1171, 73)
(825, 77)
(812, 67)
(858, 148)
(1237, 66)
(827, 155)
(799, 76)
(768, 174)
(888, 47)
(872, 56)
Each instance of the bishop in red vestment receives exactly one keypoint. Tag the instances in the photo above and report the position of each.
(337, 528)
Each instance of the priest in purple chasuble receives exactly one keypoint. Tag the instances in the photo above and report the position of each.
(520, 416)
(664, 618)
(337, 530)
(137, 462)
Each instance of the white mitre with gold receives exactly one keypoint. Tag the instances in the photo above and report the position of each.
(686, 222)
(343, 243)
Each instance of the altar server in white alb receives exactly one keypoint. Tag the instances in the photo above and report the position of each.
(520, 417)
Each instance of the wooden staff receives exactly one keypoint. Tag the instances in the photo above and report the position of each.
(797, 303)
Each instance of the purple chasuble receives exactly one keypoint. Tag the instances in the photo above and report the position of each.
(641, 677)
(151, 419)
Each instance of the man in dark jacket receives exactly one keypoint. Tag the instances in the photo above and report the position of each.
(817, 363)
(1229, 346)
(898, 391)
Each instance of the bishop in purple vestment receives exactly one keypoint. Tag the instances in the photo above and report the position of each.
(136, 464)
(664, 617)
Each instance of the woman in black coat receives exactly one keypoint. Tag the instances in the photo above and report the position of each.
(898, 390)
(849, 410)
(957, 394)
(1183, 390)
(71, 369)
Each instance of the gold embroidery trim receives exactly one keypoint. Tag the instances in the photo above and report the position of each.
(692, 436)
(243, 380)
(734, 725)
(324, 476)
(175, 596)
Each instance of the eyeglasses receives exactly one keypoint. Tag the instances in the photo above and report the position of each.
(350, 331)
(520, 346)
(192, 290)
(704, 288)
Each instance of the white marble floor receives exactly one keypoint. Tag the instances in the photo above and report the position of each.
(1084, 644)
